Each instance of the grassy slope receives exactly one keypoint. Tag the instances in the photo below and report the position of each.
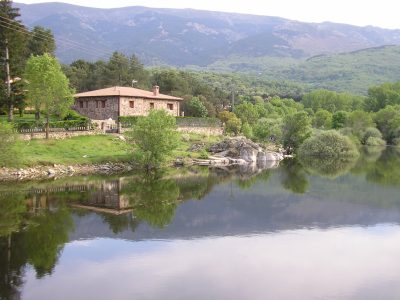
(77, 150)
(90, 150)
(352, 72)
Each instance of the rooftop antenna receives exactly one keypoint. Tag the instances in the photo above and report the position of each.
(133, 82)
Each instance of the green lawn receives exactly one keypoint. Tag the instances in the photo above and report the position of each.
(76, 150)
(90, 150)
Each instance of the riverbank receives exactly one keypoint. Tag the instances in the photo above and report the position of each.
(110, 154)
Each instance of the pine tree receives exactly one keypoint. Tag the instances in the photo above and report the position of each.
(13, 38)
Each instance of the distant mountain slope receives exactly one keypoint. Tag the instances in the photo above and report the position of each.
(352, 72)
(190, 37)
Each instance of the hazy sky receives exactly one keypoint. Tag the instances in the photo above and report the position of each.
(383, 13)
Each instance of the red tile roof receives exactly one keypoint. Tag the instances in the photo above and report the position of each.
(125, 91)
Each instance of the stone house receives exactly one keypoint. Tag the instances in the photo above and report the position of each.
(104, 106)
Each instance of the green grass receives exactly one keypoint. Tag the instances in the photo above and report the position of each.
(92, 150)
(76, 150)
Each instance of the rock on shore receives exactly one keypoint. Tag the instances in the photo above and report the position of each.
(239, 150)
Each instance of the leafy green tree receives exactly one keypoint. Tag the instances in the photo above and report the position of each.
(195, 108)
(359, 121)
(387, 122)
(296, 129)
(41, 41)
(156, 137)
(233, 125)
(383, 95)
(339, 119)
(268, 130)
(322, 119)
(14, 37)
(48, 87)
(225, 115)
(247, 113)
(332, 101)
(247, 130)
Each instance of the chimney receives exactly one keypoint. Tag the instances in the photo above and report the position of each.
(156, 90)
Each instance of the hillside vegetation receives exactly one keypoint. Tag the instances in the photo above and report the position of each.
(346, 72)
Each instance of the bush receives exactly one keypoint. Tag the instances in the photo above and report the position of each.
(328, 144)
(371, 132)
(156, 137)
(247, 130)
(375, 141)
(339, 119)
(233, 125)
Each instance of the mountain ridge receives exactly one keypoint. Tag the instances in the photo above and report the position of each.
(182, 37)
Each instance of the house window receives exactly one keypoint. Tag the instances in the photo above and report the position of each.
(132, 104)
(81, 104)
(103, 104)
(97, 104)
(86, 104)
(151, 105)
(170, 106)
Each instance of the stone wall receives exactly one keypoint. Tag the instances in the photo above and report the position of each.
(141, 106)
(93, 107)
(202, 130)
(58, 135)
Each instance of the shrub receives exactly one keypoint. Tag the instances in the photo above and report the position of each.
(247, 130)
(233, 125)
(371, 132)
(328, 144)
(375, 141)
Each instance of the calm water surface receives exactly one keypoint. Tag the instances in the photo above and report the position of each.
(306, 230)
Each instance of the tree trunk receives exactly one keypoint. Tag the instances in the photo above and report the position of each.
(47, 127)
(10, 111)
(37, 115)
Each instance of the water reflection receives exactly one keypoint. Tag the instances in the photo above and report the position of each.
(207, 227)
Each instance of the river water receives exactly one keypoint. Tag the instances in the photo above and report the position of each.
(306, 230)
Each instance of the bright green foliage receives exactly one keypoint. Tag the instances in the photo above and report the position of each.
(268, 130)
(7, 145)
(195, 108)
(339, 119)
(383, 95)
(388, 122)
(247, 130)
(358, 121)
(233, 125)
(332, 101)
(156, 137)
(48, 87)
(296, 129)
(322, 119)
(247, 113)
(328, 144)
(41, 41)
